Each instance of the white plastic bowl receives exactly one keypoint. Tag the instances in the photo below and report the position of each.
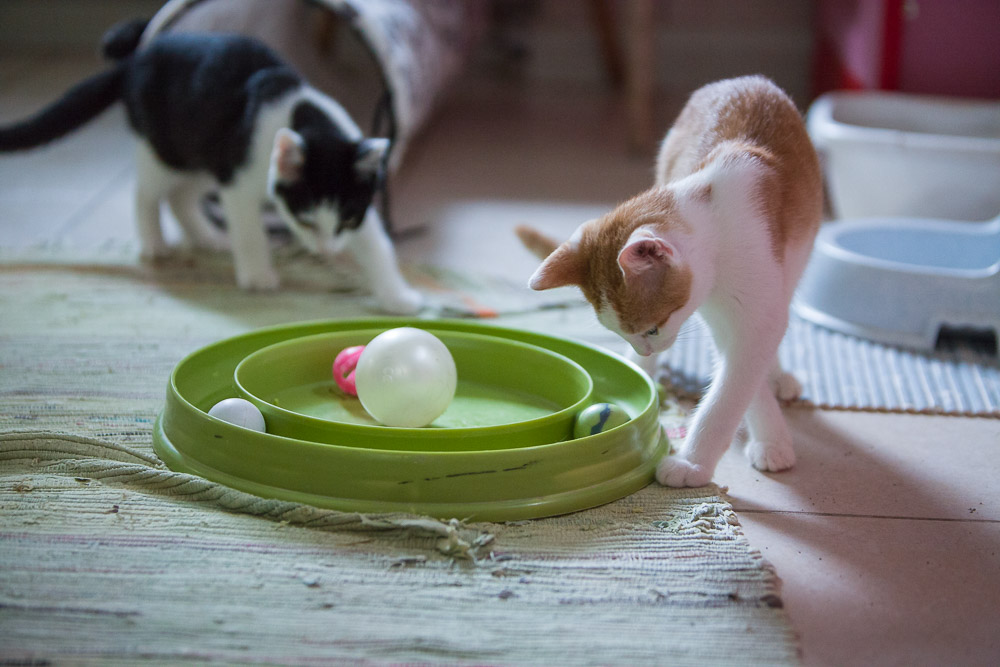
(901, 281)
(893, 154)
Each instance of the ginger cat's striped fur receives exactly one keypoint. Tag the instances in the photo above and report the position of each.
(726, 230)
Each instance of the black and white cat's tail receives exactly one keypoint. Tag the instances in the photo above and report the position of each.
(122, 39)
(79, 104)
(84, 101)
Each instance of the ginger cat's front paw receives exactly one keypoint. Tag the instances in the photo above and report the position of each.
(770, 456)
(679, 472)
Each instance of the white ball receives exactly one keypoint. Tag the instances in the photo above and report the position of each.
(239, 412)
(406, 377)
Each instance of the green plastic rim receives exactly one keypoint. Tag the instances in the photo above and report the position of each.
(510, 394)
(483, 484)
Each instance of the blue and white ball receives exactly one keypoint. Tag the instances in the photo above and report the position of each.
(598, 418)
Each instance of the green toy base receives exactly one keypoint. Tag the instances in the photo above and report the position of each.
(488, 483)
(510, 394)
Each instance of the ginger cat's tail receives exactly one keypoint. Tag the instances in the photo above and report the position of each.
(538, 243)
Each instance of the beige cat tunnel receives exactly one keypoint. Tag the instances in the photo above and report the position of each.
(388, 62)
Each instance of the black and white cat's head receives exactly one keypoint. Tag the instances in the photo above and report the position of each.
(323, 184)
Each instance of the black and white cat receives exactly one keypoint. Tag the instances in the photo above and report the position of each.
(224, 112)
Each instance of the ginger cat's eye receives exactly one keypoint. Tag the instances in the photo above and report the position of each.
(653, 332)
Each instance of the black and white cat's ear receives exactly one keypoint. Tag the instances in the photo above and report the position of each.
(645, 255)
(288, 156)
(563, 267)
(371, 155)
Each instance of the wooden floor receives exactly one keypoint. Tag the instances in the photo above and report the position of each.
(886, 533)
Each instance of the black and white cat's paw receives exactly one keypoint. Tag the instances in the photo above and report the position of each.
(212, 242)
(155, 250)
(259, 280)
(770, 456)
(678, 472)
(405, 301)
(189, 246)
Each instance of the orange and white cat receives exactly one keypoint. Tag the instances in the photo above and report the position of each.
(726, 231)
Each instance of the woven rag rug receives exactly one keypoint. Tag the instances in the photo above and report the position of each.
(108, 557)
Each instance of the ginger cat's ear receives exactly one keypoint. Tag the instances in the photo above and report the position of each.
(288, 156)
(563, 267)
(645, 256)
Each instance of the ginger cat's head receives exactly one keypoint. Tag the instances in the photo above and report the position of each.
(630, 268)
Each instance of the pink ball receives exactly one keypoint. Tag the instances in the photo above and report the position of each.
(343, 369)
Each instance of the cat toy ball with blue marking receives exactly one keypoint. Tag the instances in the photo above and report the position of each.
(598, 418)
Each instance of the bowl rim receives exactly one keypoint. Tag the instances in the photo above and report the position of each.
(362, 430)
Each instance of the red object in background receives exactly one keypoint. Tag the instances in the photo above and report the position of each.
(892, 44)
(934, 47)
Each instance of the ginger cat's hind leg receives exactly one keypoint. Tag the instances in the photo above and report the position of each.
(784, 385)
(769, 447)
